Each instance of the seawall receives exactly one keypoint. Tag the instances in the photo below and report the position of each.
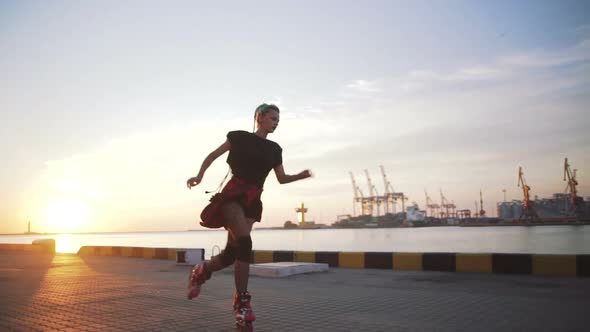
(510, 263)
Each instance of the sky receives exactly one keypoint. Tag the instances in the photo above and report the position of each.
(108, 107)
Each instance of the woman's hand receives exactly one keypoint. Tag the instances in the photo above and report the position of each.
(193, 181)
(306, 174)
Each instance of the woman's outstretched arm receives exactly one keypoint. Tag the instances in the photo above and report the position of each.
(285, 178)
(206, 163)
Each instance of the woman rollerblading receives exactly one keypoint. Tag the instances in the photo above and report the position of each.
(238, 206)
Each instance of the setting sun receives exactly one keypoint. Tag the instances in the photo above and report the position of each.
(66, 214)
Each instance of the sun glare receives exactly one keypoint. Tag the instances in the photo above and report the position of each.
(66, 214)
(65, 243)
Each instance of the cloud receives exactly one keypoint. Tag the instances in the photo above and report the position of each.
(583, 30)
(499, 69)
(364, 86)
(539, 58)
(479, 72)
(277, 100)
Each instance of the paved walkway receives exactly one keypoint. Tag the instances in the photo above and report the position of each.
(71, 293)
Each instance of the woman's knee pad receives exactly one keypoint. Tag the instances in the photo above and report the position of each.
(228, 255)
(244, 249)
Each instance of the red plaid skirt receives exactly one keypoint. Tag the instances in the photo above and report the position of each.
(236, 189)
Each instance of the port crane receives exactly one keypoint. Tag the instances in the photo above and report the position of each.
(528, 212)
(482, 212)
(464, 214)
(366, 203)
(571, 185)
(433, 207)
(357, 194)
(452, 206)
(444, 203)
(390, 196)
(388, 193)
(375, 198)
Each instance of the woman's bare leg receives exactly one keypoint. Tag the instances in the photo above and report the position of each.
(239, 226)
(242, 273)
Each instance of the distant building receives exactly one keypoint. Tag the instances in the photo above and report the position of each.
(505, 210)
(413, 213)
(555, 207)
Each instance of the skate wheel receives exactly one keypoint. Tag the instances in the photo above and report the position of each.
(244, 326)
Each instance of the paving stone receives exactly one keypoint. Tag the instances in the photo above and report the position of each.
(71, 293)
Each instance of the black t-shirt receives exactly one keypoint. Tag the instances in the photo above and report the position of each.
(252, 157)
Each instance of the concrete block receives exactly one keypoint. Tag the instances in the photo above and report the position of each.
(407, 261)
(466, 262)
(355, 260)
(262, 256)
(284, 269)
(554, 265)
(438, 261)
(189, 256)
(379, 260)
(304, 256)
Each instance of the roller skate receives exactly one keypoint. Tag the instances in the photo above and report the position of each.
(197, 277)
(243, 311)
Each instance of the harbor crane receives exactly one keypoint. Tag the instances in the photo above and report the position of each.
(366, 203)
(357, 194)
(528, 212)
(571, 185)
(433, 207)
(482, 212)
(444, 203)
(464, 214)
(390, 196)
(452, 206)
(388, 193)
(375, 198)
